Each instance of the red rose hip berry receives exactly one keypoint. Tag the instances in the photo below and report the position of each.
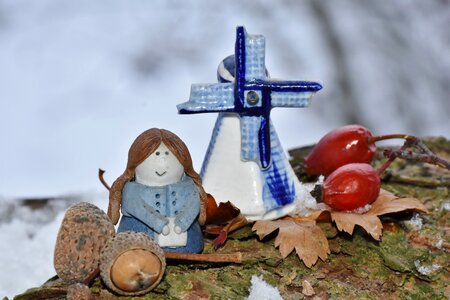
(344, 145)
(351, 186)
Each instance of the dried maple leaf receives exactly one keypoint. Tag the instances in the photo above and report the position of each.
(346, 221)
(389, 203)
(308, 240)
(386, 203)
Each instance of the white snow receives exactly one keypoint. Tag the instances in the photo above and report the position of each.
(416, 221)
(426, 270)
(362, 210)
(261, 290)
(445, 206)
(28, 240)
(439, 244)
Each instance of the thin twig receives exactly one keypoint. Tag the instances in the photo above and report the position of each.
(102, 180)
(425, 154)
(410, 155)
(391, 157)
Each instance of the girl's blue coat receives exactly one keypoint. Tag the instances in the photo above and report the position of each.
(146, 208)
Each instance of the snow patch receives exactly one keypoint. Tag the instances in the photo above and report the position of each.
(362, 210)
(416, 221)
(445, 206)
(426, 270)
(28, 241)
(439, 244)
(320, 180)
(305, 201)
(261, 290)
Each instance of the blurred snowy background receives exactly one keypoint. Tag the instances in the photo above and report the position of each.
(79, 80)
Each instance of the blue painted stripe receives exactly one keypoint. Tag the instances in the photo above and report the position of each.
(240, 68)
(186, 111)
(264, 143)
(284, 86)
(281, 190)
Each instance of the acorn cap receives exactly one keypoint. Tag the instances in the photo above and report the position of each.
(84, 231)
(132, 263)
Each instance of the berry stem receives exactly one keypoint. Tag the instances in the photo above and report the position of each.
(377, 138)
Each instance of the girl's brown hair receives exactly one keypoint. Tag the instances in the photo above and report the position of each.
(144, 145)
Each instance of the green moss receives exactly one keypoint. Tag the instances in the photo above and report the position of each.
(243, 233)
(396, 253)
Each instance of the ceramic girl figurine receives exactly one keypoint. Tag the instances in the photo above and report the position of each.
(159, 193)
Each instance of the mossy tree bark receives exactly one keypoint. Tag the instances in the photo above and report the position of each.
(410, 262)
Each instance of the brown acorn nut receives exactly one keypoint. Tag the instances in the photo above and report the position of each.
(131, 263)
(84, 231)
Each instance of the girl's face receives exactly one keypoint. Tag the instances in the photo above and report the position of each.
(160, 168)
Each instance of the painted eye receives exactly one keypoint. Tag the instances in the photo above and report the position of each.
(167, 153)
(157, 153)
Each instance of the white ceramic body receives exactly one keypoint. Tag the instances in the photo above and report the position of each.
(228, 178)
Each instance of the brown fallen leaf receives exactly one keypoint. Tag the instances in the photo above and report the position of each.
(222, 219)
(386, 203)
(308, 240)
(219, 214)
(346, 222)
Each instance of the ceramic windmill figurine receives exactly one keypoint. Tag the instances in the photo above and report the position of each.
(245, 163)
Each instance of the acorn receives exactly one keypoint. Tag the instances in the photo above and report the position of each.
(132, 263)
(84, 231)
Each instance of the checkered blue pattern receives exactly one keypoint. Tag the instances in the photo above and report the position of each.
(210, 97)
(290, 99)
(249, 145)
(255, 53)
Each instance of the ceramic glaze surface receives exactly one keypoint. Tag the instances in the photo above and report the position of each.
(226, 152)
(160, 168)
(249, 97)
